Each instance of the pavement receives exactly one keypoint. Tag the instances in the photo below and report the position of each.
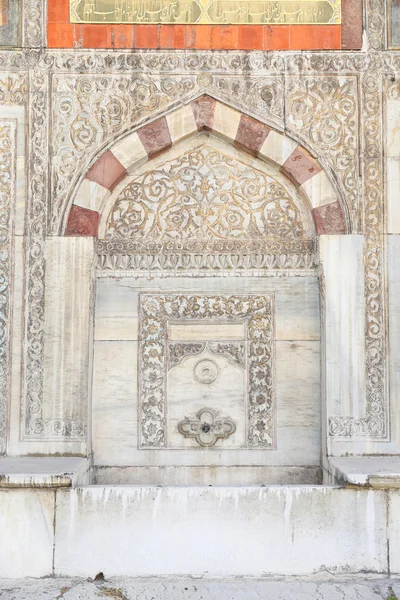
(317, 588)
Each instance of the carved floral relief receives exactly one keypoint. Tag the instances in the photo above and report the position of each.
(156, 310)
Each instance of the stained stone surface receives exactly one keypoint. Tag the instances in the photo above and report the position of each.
(203, 589)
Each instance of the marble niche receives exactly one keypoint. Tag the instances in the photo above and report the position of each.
(199, 376)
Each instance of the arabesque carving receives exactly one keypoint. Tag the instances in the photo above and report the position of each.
(7, 201)
(33, 23)
(92, 110)
(375, 424)
(204, 195)
(325, 110)
(155, 312)
(221, 70)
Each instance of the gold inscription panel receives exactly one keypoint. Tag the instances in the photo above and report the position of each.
(218, 12)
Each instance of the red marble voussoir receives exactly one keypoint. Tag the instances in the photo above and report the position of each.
(251, 134)
(155, 136)
(301, 166)
(329, 219)
(203, 111)
(107, 170)
(82, 222)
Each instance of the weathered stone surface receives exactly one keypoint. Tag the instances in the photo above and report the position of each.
(301, 166)
(106, 171)
(200, 589)
(196, 531)
(203, 110)
(251, 134)
(155, 137)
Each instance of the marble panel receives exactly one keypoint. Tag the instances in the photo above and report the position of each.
(66, 338)
(342, 259)
(195, 331)
(219, 531)
(26, 533)
(392, 148)
(277, 147)
(207, 380)
(116, 328)
(181, 123)
(91, 195)
(298, 399)
(114, 401)
(17, 446)
(297, 313)
(319, 190)
(129, 150)
(393, 249)
(226, 121)
(394, 530)
(298, 394)
(393, 193)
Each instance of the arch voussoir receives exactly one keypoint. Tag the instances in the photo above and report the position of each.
(205, 114)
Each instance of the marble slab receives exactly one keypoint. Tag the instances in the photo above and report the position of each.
(219, 531)
(26, 533)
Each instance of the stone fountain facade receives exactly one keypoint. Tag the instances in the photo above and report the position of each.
(199, 307)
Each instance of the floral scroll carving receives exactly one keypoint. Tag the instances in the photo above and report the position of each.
(156, 310)
(353, 77)
(325, 110)
(7, 199)
(33, 23)
(204, 195)
(93, 110)
(375, 424)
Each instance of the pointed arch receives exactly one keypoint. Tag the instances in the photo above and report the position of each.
(205, 114)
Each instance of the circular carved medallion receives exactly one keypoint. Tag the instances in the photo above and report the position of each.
(206, 371)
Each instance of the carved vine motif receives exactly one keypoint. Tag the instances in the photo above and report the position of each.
(91, 110)
(263, 96)
(177, 351)
(33, 23)
(7, 193)
(376, 23)
(71, 65)
(376, 422)
(156, 310)
(34, 425)
(325, 110)
(13, 88)
(207, 427)
(204, 195)
(234, 350)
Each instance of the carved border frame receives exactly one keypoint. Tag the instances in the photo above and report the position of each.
(155, 310)
(8, 151)
(34, 18)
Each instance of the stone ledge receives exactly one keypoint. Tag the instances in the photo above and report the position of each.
(46, 472)
(380, 472)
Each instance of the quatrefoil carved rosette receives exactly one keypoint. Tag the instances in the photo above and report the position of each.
(207, 427)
